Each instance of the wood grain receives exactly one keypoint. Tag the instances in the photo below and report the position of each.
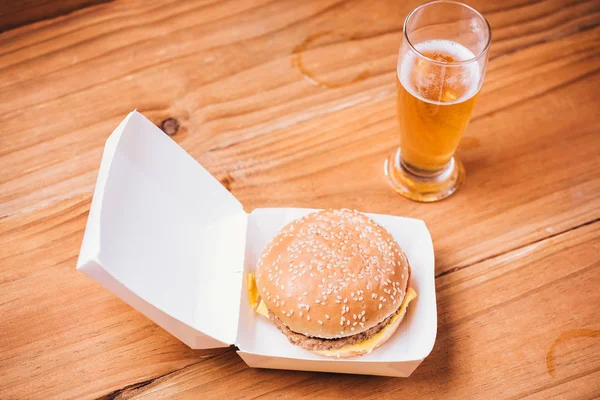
(517, 248)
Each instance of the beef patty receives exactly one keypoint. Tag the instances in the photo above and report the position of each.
(315, 343)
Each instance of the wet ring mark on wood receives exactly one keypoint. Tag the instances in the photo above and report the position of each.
(298, 62)
(563, 337)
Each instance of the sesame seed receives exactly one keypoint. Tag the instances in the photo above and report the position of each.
(300, 313)
(308, 317)
(380, 306)
(345, 301)
(320, 322)
(327, 316)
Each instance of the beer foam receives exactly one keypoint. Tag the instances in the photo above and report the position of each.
(468, 77)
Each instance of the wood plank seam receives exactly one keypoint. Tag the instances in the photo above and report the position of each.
(76, 31)
(556, 382)
(550, 90)
(543, 15)
(143, 385)
(501, 304)
(87, 4)
(461, 267)
(543, 41)
(509, 8)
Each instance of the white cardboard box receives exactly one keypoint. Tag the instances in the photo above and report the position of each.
(171, 241)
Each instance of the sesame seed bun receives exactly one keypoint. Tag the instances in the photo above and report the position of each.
(332, 274)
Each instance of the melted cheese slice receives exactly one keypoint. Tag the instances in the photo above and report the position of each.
(252, 290)
(262, 309)
(376, 340)
(254, 298)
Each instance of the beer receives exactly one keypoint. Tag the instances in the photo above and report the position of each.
(434, 103)
(442, 62)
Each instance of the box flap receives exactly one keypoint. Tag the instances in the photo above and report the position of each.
(165, 236)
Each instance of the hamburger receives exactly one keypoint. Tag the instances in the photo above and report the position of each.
(333, 282)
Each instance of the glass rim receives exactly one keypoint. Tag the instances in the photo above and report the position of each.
(447, 63)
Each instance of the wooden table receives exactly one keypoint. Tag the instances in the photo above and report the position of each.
(517, 248)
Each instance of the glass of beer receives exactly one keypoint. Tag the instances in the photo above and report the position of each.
(441, 66)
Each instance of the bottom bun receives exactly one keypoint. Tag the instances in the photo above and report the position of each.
(367, 346)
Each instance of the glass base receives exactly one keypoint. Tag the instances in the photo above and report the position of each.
(420, 186)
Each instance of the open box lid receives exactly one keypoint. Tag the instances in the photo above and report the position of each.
(148, 188)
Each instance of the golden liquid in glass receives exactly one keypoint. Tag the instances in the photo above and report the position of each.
(434, 104)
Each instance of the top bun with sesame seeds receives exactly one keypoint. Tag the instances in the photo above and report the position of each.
(332, 275)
